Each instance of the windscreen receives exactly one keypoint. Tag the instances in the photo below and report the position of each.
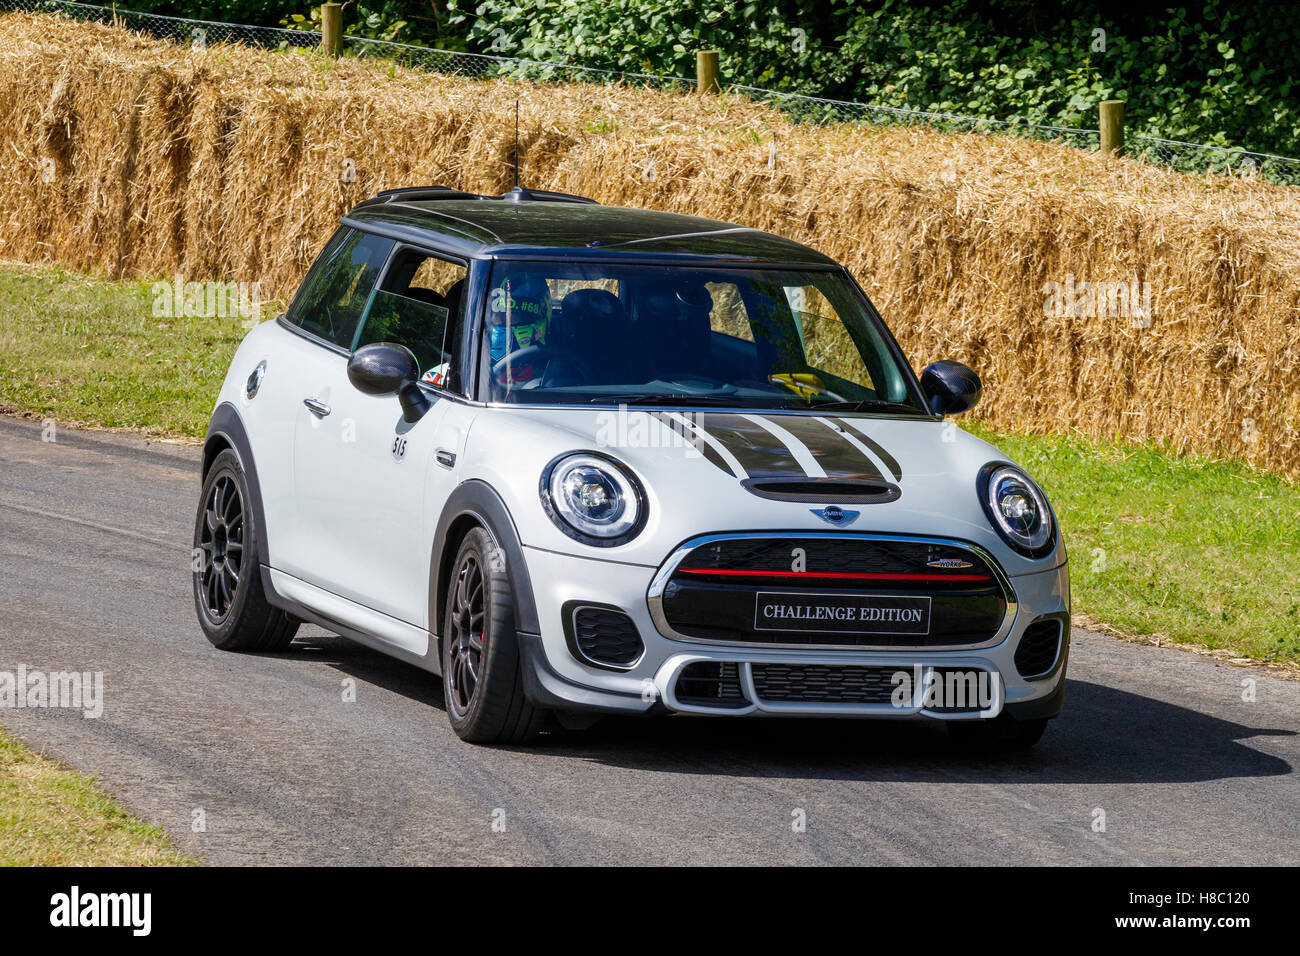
(566, 333)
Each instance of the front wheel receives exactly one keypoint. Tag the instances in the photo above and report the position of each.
(482, 679)
(228, 596)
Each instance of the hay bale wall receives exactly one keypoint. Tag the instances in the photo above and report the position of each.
(135, 157)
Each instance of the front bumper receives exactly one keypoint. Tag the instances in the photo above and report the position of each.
(555, 678)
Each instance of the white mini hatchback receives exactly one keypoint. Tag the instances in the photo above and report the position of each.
(581, 460)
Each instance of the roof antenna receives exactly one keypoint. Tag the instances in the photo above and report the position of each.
(516, 143)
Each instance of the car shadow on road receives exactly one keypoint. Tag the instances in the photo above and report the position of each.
(1104, 735)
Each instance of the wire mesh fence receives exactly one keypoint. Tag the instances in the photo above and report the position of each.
(820, 110)
(1223, 160)
(1184, 157)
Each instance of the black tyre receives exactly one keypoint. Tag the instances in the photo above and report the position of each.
(1000, 733)
(228, 596)
(482, 679)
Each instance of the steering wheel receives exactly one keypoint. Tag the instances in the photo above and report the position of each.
(524, 356)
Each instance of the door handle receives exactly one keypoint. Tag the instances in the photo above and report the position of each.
(317, 408)
(445, 458)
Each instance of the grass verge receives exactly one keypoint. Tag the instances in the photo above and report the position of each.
(82, 350)
(1188, 550)
(52, 816)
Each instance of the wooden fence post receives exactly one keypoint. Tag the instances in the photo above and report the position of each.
(331, 29)
(1111, 113)
(706, 72)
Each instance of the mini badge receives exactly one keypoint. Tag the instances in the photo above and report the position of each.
(833, 514)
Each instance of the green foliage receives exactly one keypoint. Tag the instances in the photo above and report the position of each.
(376, 23)
(256, 12)
(421, 22)
(1221, 73)
(778, 45)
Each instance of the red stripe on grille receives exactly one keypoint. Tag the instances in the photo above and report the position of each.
(842, 575)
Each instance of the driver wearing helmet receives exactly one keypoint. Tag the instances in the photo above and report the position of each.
(519, 315)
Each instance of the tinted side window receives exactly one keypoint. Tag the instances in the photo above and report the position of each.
(419, 305)
(333, 297)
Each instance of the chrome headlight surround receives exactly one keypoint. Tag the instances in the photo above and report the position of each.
(1017, 509)
(593, 498)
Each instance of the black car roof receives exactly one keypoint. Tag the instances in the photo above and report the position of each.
(554, 225)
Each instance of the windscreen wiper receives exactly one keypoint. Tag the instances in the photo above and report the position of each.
(869, 405)
(661, 398)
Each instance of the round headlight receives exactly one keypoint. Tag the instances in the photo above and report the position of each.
(1017, 509)
(591, 497)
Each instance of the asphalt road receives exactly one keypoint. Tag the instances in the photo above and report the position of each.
(94, 576)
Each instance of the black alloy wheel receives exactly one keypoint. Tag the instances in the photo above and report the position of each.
(222, 541)
(466, 635)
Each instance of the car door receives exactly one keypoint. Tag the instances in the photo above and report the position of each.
(321, 323)
(369, 484)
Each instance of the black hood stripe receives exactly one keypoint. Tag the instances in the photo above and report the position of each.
(709, 447)
(759, 452)
(834, 452)
(751, 446)
(789, 446)
(890, 461)
(804, 456)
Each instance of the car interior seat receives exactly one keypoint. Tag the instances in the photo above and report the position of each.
(591, 326)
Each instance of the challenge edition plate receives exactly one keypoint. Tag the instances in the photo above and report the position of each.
(841, 613)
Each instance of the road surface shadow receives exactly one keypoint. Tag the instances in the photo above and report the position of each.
(1104, 735)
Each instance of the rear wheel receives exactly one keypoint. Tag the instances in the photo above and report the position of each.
(1003, 732)
(228, 596)
(482, 679)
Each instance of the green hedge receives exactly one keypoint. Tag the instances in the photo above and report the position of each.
(1220, 72)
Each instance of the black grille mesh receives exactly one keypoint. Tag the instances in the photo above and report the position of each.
(710, 684)
(817, 683)
(606, 636)
(831, 554)
(1038, 648)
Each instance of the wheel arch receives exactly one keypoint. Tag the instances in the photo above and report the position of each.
(475, 503)
(226, 431)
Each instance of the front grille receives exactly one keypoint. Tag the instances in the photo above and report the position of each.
(711, 684)
(712, 594)
(606, 636)
(817, 683)
(1039, 647)
(837, 554)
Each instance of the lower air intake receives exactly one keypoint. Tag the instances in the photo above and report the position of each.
(817, 683)
(1039, 648)
(710, 684)
(606, 636)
